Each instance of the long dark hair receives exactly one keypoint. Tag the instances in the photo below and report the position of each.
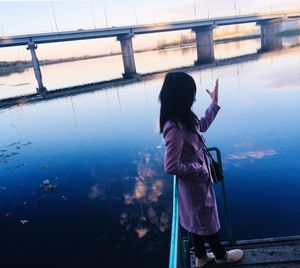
(177, 97)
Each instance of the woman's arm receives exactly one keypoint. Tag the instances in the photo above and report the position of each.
(209, 116)
(212, 110)
(173, 136)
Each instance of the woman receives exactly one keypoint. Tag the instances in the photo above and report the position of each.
(186, 158)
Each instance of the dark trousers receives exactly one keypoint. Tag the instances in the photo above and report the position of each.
(214, 244)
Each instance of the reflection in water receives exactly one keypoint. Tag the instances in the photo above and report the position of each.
(140, 213)
(141, 231)
(120, 107)
(141, 228)
(244, 144)
(252, 154)
(74, 112)
(96, 192)
(148, 187)
(88, 71)
(156, 191)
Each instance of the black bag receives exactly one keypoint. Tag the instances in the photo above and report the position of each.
(216, 171)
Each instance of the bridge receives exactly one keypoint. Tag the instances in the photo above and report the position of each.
(270, 23)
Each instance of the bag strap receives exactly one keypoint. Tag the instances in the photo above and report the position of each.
(207, 151)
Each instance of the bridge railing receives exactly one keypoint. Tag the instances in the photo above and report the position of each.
(179, 247)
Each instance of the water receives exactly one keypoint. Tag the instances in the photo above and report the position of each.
(107, 68)
(111, 204)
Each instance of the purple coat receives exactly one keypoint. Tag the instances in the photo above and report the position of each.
(184, 157)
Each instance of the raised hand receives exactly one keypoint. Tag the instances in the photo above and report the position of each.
(214, 94)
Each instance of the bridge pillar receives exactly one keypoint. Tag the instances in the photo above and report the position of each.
(36, 67)
(205, 44)
(127, 55)
(269, 34)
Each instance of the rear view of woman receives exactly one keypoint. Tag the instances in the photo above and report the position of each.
(186, 158)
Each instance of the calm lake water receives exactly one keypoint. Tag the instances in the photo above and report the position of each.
(108, 202)
(68, 74)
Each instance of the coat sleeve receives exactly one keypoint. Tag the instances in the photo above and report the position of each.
(173, 136)
(209, 116)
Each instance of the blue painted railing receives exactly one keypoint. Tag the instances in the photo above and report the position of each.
(178, 251)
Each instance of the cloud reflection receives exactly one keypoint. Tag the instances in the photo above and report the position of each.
(244, 144)
(252, 154)
(142, 211)
(95, 192)
(147, 188)
(141, 231)
(156, 190)
(140, 190)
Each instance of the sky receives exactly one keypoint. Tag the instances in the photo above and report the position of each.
(23, 17)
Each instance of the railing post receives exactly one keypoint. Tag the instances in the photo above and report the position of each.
(174, 232)
(226, 210)
(177, 254)
(177, 258)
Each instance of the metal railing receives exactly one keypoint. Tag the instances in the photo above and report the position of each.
(178, 249)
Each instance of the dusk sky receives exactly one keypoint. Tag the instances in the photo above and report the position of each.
(22, 17)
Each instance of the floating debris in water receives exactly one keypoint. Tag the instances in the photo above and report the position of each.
(2, 188)
(24, 221)
(20, 165)
(41, 198)
(44, 166)
(23, 204)
(7, 154)
(13, 144)
(47, 186)
(4, 157)
(27, 143)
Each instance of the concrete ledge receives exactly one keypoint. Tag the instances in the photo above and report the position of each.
(268, 252)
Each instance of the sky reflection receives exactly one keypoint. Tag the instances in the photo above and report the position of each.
(251, 154)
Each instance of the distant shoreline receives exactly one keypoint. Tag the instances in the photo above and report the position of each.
(7, 68)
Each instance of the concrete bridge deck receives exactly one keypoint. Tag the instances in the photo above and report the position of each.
(19, 40)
